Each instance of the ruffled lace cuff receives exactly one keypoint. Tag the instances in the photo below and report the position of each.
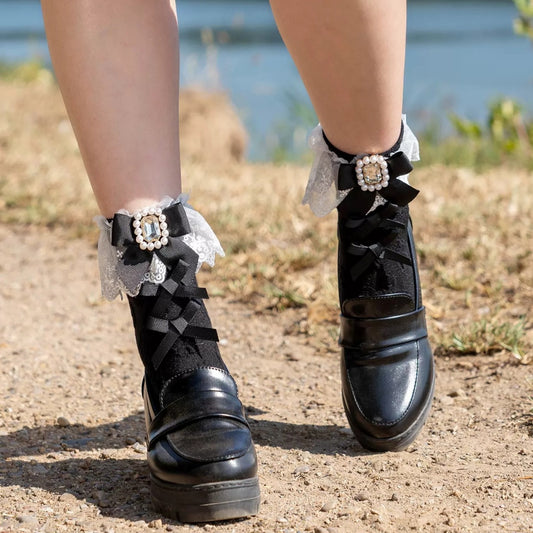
(201, 239)
(322, 192)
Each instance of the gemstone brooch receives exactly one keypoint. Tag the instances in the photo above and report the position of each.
(150, 229)
(372, 172)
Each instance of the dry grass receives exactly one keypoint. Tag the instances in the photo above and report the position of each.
(474, 232)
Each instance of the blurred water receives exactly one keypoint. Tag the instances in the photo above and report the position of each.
(460, 55)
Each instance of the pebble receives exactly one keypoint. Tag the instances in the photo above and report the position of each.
(130, 440)
(63, 422)
(282, 520)
(328, 506)
(321, 530)
(102, 499)
(394, 497)
(301, 469)
(447, 400)
(156, 524)
(361, 497)
(27, 519)
(139, 448)
(39, 469)
(457, 393)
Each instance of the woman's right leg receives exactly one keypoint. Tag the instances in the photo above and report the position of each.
(117, 65)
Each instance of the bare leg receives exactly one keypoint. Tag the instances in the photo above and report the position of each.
(117, 65)
(350, 55)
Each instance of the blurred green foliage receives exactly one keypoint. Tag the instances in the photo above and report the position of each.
(523, 25)
(506, 137)
(27, 72)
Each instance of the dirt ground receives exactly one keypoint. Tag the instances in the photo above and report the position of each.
(71, 425)
(71, 430)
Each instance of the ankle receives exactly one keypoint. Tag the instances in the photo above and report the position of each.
(376, 148)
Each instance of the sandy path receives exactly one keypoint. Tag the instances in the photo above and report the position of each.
(66, 354)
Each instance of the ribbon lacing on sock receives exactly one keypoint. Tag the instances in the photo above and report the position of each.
(174, 320)
(380, 230)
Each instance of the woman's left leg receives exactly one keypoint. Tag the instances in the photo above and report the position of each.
(350, 54)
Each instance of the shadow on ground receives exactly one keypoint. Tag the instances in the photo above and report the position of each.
(120, 487)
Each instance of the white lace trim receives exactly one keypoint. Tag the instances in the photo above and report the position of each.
(201, 239)
(321, 192)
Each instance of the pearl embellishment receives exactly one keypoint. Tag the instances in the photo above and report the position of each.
(372, 172)
(150, 229)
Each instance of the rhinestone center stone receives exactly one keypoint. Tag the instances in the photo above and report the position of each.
(150, 228)
(372, 172)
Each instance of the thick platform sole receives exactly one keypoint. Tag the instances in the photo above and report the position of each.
(208, 502)
(398, 442)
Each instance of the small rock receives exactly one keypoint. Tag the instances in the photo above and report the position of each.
(39, 469)
(457, 393)
(130, 440)
(394, 497)
(139, 448)
(321, 530)
(62, 422)
(361, 497)
(102, 499)
(345, 431)
(446, 400)
(282, 520)
(27, 519)
(328, 506)
(301, 469)
(156, 524)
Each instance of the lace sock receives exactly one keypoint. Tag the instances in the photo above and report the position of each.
(377, 261)
(157, 270)
(165, 351)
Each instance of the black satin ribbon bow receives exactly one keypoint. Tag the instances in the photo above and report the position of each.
(135, 262)
(175, 322)
(372, 255)
(397, 191)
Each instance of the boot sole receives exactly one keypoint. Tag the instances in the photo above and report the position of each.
(398, 442)
(208, 502)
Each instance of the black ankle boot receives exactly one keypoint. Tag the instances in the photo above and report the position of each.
(386, 362)
(201, 457)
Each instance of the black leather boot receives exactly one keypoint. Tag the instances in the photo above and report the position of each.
(202, 461)
(386, 362)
